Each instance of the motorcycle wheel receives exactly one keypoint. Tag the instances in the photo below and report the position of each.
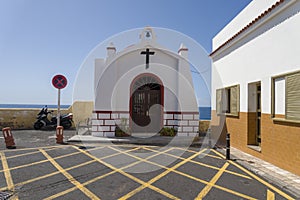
(66, 124)
(38, 125)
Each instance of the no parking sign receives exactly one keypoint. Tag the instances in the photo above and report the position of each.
(59, 81)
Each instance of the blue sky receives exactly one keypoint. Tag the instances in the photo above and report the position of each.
(42, 38)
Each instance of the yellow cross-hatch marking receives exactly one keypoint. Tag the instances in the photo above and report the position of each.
(8, 178)
(192, 177)
(105, 175)
(119, 170)
(130, 194)
(202, 164)
(211, 183)
(70, 177)
(256, 177)
(270, 195)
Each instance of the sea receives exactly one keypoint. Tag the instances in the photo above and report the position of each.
(205, 112)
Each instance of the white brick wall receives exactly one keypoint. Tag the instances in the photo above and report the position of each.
(109, 134)
(183, 123)
(97, 122)
(188, 129)
(109, 122)
(115, 116)
(185, 116)
(104, 128)
(177, 116)
(104, 116)
(94, 116)
(193, 123)
(124, 115)
(98, 134)
(168, 116)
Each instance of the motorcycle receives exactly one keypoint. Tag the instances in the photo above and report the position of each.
(43, 121)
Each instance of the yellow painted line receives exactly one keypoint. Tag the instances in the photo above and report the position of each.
(40, 162)
(257, 178)
(92, 180)
(270, 195)
(7, 175)
(74, 188)
(33, 148)
(52, 174)
(34, 152)
(194, 178)
(130, 194)
(8, 178)
(206, 165)
(69, 176)
(25, 154)
(212, 182)
(119, 170)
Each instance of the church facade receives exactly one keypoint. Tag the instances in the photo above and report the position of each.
(256, 82)
(142, 89)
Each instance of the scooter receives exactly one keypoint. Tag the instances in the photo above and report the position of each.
(43, 121)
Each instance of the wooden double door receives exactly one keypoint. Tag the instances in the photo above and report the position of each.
(146, 110)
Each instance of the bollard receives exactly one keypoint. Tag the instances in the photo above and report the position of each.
(60, 135)
(209, 138)
(228, 146)
(8, 137)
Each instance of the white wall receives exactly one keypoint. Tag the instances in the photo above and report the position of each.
(113, 88)
(274, 52)
(254, 9)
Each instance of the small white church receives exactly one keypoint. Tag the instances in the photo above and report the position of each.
(144, 88)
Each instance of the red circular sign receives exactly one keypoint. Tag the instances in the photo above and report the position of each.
(59, 81)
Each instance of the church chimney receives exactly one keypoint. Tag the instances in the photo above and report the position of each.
(111, 51)
(183, 51)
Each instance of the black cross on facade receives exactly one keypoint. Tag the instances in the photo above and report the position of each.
(147, 53)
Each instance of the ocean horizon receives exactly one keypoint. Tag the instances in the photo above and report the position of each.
(205, 112)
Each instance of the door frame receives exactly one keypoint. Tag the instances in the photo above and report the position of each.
(161, 96)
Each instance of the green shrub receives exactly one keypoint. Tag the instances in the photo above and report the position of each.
(166, 131)
(122, 130)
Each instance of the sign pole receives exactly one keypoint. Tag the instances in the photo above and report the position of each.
(59, 82)
(58, 108)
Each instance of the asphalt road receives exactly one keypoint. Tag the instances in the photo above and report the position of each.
(44, 170)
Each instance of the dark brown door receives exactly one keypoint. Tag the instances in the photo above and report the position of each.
(146, 112)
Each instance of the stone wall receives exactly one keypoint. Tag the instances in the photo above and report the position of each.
(22, 118)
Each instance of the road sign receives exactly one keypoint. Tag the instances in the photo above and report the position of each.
(59, 81)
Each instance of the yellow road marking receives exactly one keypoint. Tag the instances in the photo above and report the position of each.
(130, 194)
(119, 170)
(94, 179)
(204, 165)
(256, 177)
(34, 152)
(212, 182)
(70, 168)
(69, 176)
(8, 178)
(270, 195)
(192, 177)
(20, 155)
(39, 162)
(33, 148)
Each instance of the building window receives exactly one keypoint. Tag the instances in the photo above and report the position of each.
(228, 100)
(286, 96)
